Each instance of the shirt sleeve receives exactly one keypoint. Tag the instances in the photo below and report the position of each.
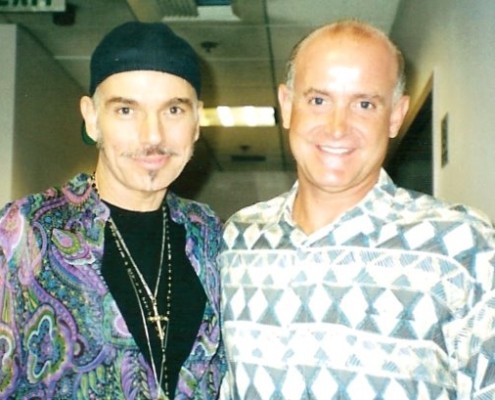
(10, 235)
(471, 335)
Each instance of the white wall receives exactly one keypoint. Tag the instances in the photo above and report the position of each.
(7, 87)
(453, 43)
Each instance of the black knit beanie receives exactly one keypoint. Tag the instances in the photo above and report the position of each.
(135, 46)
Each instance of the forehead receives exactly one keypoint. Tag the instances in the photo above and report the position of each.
(146, 84)
(369, 54)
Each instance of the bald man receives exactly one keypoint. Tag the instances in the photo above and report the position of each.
(347, 286)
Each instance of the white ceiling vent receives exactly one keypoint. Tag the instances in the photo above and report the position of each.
(155, 10)
(177, 10)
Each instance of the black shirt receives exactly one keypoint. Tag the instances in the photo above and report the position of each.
(142, 233)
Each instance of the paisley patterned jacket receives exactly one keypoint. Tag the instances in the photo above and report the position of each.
(61, 333)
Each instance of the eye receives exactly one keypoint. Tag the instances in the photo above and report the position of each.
(366, 105)
(317, 101)
(124, 110)
(175, 110)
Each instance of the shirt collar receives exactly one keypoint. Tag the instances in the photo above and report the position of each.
(384, 189)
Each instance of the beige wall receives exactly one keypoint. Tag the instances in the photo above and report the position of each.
(47, 145)
(43, 140)
(452, 43)
(46, 148)
(227, 192)
(7, 87)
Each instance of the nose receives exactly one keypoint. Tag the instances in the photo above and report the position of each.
(338, 121)
(152, 129)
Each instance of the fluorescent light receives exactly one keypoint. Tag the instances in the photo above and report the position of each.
(225, 116)
(238, 116)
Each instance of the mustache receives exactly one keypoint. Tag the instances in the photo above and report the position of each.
(151, 151)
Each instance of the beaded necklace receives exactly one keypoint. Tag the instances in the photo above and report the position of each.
(147, 299)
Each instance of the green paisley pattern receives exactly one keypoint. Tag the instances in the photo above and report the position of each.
(61, 333)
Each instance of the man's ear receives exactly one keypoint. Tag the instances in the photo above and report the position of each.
(198, 126)
(285, 102)
(399, 111)
(88, 112)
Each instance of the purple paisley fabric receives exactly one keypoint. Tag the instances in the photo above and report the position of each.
(61, 333)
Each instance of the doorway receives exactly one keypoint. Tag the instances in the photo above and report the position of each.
(411, 165)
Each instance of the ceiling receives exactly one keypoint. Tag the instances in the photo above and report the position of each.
(243, 49)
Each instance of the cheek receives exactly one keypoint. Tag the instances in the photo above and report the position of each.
(303, 121)
(299, 114)
(299, 144)
(379, 129)
(116, 150)
(181, 135)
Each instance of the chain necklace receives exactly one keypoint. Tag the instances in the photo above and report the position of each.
(147, 299)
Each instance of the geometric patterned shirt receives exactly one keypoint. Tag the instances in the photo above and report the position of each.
(393, 300)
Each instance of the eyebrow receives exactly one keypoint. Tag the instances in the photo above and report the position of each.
(118, 99)
(315, 91)
(358, 95)
(375, 97)
(180, 100)
(167, 103)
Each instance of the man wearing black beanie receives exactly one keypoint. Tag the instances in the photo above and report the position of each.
(108, 285)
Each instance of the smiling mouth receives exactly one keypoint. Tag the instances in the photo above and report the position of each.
(338, 151)
(155, 160)
(152, 151)
(152, 157)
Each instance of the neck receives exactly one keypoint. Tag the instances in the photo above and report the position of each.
(311, 217)
(315, 209)
(132, 200)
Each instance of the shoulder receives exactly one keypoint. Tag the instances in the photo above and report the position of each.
(263, 212)
(427, 207)
(77, 186)
(438, 226)
(186, 211)
(395, 204)
(51, 207)
(30, 204)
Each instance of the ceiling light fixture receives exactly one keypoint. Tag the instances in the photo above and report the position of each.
(248, 116)
(213, 2)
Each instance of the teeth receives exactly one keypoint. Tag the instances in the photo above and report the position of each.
(334, 150)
